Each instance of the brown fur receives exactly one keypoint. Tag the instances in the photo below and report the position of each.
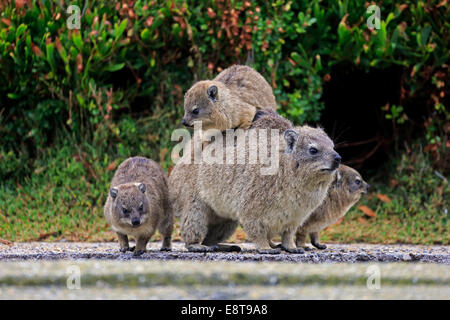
(241, 92)
(265, 205)
(268, 119)
(342, 195)
(128, 193)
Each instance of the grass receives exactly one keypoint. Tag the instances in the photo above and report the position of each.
(64, 197)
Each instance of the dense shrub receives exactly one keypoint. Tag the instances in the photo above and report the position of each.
(138, 57)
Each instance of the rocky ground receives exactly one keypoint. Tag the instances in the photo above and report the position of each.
(334, 253)
(98, 271)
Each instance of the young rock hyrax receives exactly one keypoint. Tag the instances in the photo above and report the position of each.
(229, 101)
(265, 205)
(344, 192)
(138, 204)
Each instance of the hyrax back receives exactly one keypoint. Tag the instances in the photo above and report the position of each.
(229, 101)
(269, 119)
(138, 204)
(267, 205)
(344, 192)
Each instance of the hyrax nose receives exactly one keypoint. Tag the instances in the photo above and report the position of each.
(183, 122)
(336, 160)
(135, 221)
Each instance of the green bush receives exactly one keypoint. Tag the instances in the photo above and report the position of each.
(140, 56)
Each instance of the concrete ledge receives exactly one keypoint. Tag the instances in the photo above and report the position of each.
(220, 280)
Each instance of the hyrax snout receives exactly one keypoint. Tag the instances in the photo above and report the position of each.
(228, 101)
(344, 192)
(138, 204)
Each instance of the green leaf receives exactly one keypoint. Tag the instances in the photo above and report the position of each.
(78, 42)
(115, 67)
(20, 30)
(121, 28)
(145, 34)
(50, 55)
(13, 95)
(424, 34)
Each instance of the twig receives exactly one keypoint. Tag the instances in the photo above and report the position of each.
(367, 156)
(357, 143)
(441, 176)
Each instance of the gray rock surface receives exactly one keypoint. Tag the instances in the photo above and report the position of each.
(334, 253)
(63, 270)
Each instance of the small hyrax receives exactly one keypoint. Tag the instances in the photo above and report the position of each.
(265, 205)
(344, 192)
(138, 204)
(229, 101)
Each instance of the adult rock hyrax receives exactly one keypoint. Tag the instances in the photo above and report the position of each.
(228, 101)
(138, 204)
(265, 205)
(344, 192)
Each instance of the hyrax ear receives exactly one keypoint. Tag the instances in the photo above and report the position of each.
(212, 92)
(291, 137)
(113, 192)
(142, 187)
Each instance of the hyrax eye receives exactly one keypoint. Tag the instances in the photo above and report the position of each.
(195, 111)
(141, 207)
(358, 182)
(313, 150)
(125, 210)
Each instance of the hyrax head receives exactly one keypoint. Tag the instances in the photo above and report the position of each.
(350, 181)
(201, 103)
(312, 151)
(130, 205)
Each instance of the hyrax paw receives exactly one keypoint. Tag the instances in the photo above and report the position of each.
(225, 248)
(123, 250)
(138, 253)
(199, 248)
(165, 249)
(293, 250)
(234, 249)
(320, 246)
(269, 251)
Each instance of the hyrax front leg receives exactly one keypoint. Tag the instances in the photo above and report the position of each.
(263, 247)
(194, 226)
(257, 234)
(141, 245)
(300, 239)
(315, 241)
(287, 241)
(166, 228)
(220, 232)
(123, 242)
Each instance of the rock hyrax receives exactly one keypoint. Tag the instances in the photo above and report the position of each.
(229, 101)
(138, 204)
(265, 205)
(344, 192)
